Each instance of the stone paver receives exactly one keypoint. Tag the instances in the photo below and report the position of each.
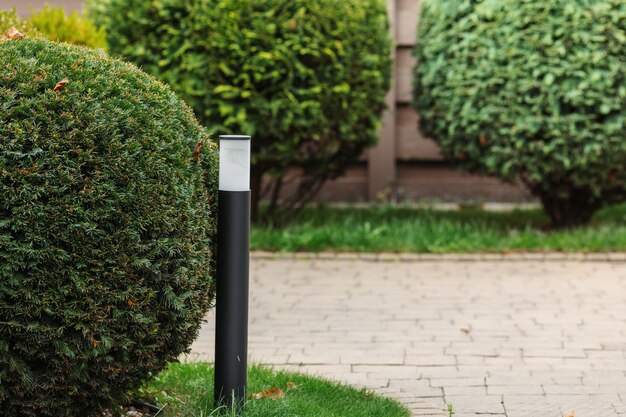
(504, 336)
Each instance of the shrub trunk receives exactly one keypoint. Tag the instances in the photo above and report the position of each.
(571, 209)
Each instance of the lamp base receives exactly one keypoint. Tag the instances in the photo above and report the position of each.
(231, 328)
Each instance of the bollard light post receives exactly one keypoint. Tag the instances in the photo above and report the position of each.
(233, 256)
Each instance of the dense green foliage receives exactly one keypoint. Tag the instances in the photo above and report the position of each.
(409, 230)
(54, 24)
(187, 389)
(10, 19)
(106, 225)
(527, 89)
(306, 79)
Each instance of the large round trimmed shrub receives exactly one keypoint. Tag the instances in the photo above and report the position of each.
(307, 79)
(106, 225)
(530, 90)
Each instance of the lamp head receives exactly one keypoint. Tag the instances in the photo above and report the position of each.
(234, 163)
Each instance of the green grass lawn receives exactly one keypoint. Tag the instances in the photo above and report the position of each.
(392, 229)
(187, 389)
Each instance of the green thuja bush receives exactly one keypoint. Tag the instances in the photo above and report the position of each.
(307, 79)
(530, 90)
(107, 220)
(56, 25)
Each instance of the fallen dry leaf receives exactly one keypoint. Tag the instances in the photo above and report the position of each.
(197, 149)
(466, 330)
(570, 414)
(291, 385)
(12, 34)
(272, 394)
(61, 84)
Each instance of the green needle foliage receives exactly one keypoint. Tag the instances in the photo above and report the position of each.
(307, 79)
(529, 89)
(106, 228)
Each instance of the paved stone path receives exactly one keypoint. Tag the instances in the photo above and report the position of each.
(508, 337)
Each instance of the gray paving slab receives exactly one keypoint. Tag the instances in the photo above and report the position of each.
(512, 336)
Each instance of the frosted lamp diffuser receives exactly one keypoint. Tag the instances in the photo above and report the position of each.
(234, 163)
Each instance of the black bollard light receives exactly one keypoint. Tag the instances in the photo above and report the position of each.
(233, 257)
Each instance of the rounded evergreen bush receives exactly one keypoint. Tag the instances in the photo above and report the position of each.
(530, 90)
(307, 79)
(106, 228)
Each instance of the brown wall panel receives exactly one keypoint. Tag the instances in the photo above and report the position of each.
(407, 17)
(426, 181)
(412, 145)
(405, 64)
(382, 157)
(23, 6)
(352, 187)
(439, 182)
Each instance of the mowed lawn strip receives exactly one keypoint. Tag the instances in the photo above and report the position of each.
(392, 229)
(187, 389)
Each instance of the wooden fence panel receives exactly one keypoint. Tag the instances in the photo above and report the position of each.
(405, 63)
(411, 144)
(382, 157)
(23, 6)
(407, 17)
